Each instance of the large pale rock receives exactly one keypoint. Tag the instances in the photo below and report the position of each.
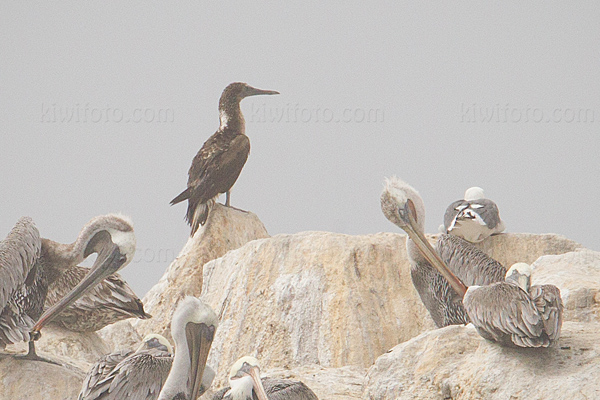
(456, 363)
(577, 275)
(120, 336)
(510, 248)
(34, 380)
(312, 298)
(226, 229)
(328, 299)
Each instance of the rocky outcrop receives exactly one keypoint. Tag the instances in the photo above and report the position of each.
(456, 363)
(577, 274)
(226, 229)
(34, 380)
(328, 299)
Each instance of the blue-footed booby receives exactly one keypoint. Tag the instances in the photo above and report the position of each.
(219, 162)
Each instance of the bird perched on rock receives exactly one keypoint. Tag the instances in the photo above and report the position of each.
(474, 219)
(514, 313)
(441, 295)
(29, 264)
(245, 384)
(219, 162)
(143, 374)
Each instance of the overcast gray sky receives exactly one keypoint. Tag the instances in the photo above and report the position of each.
(103, 105)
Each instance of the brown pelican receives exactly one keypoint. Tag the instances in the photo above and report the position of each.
(110, 301)
(404, 207)
(513, 312)
(135, 375)
(28, 264)
(193, 328)
(474, 219)
(245, 384)
(219, 162)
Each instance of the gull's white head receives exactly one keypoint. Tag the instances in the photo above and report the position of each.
(474, 193)
(394, 197)
(520, 273)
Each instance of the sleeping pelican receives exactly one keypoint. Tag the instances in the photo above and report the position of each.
(514, 313)
(403, 206)
(28, 264)
(245, 384)
(135, 375)
(474, 219)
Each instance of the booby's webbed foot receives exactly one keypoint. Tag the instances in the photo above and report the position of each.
(227, 204)
(238, 209)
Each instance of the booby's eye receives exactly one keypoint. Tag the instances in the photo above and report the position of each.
(122, 259)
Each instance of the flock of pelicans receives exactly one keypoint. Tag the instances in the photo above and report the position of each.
(41, 282)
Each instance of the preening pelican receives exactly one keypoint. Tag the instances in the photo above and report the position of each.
(515, 314)
(219, 162)
(474, 219)
(28, 264)
(110, 301)
(134, 375)
(403, 206)
(245, 384)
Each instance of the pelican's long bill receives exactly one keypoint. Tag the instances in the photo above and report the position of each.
(109, 261)
(254, 373)
(408, 215)
(199, 337)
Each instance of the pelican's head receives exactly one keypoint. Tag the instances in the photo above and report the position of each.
(474, 193)
(520, 273)
(106, 230)
(155, 341)
(396, 198)
(193, 327)
(244, 377)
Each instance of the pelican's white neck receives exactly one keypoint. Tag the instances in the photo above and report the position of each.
(241, 388)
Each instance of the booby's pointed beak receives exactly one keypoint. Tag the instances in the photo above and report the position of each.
(409, 217)
(109, 261)
(259, 389)
(251, 91)
(199, 337)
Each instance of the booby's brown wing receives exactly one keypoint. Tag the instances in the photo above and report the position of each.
(110, 301)
(504, 311)
(139, 376)
(217, 166)
(19, 253)
(549, 303)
